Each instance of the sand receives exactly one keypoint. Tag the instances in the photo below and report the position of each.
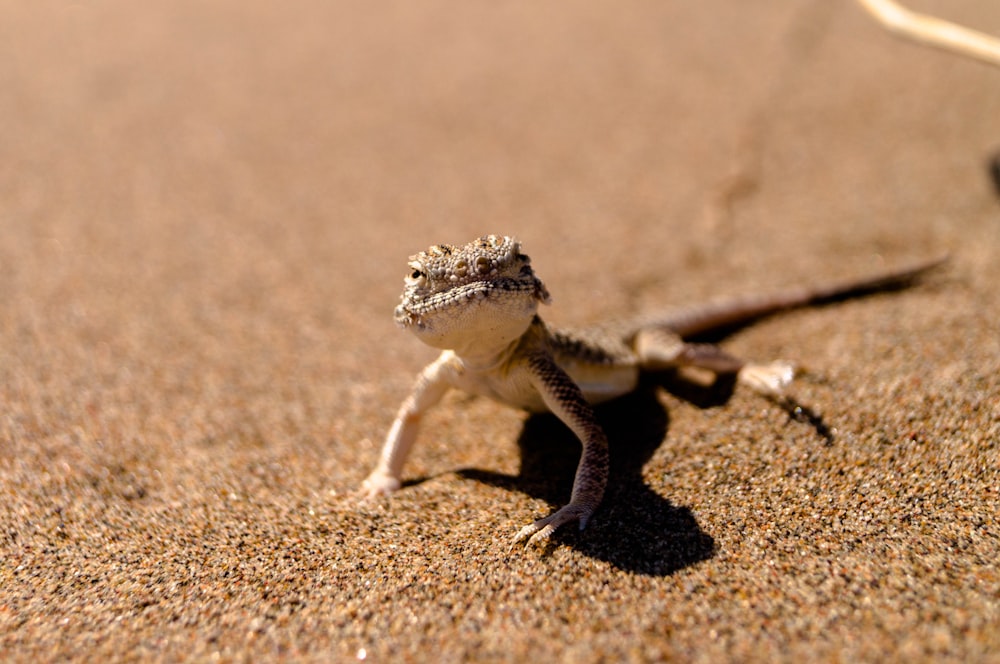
(205, 213)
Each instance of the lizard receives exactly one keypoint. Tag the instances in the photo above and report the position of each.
(479, 304)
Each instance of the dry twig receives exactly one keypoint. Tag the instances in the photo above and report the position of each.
(933, 31)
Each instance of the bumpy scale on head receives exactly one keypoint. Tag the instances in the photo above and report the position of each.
(445, 276)
(466, 287)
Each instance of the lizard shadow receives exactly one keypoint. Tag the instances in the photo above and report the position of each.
(635, 529)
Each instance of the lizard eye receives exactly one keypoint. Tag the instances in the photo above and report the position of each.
(418, 277)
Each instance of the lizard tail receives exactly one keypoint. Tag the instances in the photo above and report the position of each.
(727, 315)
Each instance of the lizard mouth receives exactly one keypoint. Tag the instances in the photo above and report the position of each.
(417, 309)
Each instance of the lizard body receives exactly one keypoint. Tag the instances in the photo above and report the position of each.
(479, 304)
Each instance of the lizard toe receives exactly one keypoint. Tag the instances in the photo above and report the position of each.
(768, 379)
(538, 532)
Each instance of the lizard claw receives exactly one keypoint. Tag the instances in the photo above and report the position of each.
(537, 533)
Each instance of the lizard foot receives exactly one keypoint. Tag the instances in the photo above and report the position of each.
(536, 533)
(378, 484)
(768, 379)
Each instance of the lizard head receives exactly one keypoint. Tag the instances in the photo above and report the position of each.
(482, 294)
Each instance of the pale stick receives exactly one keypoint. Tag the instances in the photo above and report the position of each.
(933, 31)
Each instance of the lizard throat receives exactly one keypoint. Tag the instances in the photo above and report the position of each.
(420, 310)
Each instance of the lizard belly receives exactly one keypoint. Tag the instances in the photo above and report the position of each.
(512, 388)
(601, 383)
(598, 382)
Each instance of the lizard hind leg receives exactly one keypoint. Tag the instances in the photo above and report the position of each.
(659, 349)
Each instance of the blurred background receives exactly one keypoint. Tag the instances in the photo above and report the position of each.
(206, 206)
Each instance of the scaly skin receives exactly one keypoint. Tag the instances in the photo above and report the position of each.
(479, 304)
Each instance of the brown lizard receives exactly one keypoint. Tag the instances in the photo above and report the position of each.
(479, 304)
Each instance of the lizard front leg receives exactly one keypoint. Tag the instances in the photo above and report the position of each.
(660, 349)
(565, 399)
(430, 386)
